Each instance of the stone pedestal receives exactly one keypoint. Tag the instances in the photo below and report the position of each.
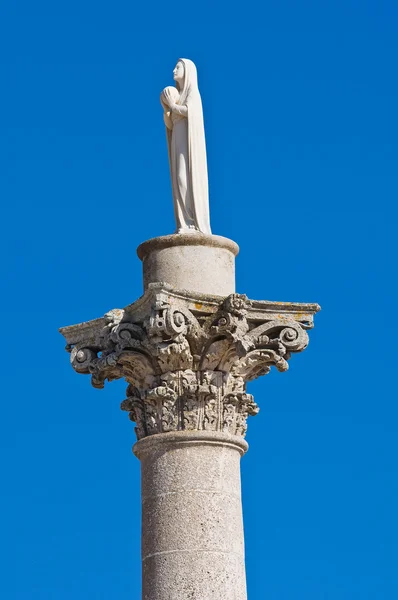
(192, 527)
(194, 261)
(187, 349)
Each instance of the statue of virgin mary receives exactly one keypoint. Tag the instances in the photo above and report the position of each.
(183, 116)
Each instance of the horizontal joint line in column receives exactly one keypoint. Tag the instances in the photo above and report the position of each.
(201, 491)
(194, 551)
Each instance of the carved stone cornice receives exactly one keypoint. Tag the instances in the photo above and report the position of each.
(187, 357)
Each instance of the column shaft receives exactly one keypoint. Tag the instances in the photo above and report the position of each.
(192, 526)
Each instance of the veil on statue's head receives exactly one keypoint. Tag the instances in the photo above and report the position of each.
(190, 83)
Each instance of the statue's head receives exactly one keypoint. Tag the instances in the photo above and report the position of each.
(179, 72)
(186, 77)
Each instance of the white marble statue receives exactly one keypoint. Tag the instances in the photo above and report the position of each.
(183, 117)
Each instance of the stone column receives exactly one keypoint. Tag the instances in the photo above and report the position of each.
(192, 526)
(187, 349)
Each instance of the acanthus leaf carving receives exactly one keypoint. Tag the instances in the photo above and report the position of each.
(187, 368)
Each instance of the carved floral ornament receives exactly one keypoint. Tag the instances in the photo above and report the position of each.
(187, 362)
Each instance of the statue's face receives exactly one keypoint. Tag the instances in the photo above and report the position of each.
(178, 72)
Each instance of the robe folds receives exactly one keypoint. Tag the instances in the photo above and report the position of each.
(187, 153)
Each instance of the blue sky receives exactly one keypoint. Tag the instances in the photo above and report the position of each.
(300, 102)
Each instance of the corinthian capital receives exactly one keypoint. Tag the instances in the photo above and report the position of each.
(187, 357)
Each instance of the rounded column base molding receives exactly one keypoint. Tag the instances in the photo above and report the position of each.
(159, 441)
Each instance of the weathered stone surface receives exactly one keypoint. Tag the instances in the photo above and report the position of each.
(192, 526)
(194, 261)
(187, 357)
(187, 349)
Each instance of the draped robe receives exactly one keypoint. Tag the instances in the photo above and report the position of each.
(187, 154)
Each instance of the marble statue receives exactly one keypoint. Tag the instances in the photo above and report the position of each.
(183, 117)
